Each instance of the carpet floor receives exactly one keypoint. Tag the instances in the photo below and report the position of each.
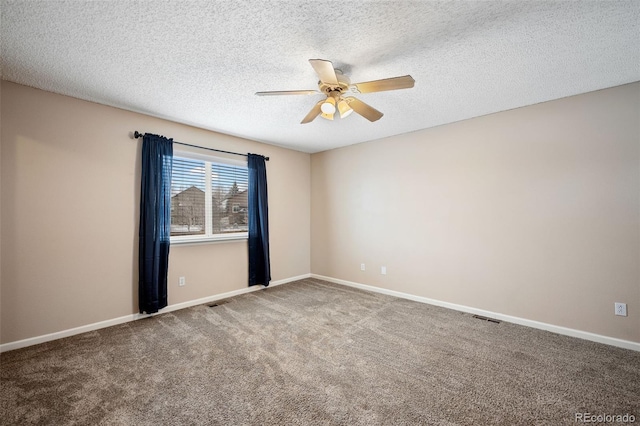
(316, 353)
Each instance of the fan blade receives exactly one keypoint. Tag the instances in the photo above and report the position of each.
(404, 82)
(315, 111)
(363, 109)
(325, 70)
(289, 92)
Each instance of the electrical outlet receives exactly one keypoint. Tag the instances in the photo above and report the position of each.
(621, 309)
(383, 270)
(362, 266)
(182, 282)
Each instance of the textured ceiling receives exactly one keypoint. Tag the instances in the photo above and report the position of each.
(200, 62)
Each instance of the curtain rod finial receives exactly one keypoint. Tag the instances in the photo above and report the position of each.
(137, 135)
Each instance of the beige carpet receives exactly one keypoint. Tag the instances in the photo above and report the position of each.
(316, 353)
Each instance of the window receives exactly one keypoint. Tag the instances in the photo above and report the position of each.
(208, 198)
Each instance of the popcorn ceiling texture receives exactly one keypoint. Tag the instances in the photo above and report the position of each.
(200, 62)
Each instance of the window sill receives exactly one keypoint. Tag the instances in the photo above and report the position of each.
(228, 238)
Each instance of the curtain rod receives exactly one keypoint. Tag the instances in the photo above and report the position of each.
(137, 135)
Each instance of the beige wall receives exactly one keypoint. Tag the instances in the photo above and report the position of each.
(532, 213)
(70, 184)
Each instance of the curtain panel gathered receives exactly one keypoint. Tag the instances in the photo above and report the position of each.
(155, 222)
(259, 265)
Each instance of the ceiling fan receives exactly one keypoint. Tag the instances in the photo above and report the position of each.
(336, 86)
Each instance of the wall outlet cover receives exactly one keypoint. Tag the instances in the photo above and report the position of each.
(621, 309)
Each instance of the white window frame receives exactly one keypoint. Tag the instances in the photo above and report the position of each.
(208, 237)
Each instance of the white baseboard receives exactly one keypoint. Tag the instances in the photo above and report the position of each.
(627, 344)
(128, 318)
(515, 320)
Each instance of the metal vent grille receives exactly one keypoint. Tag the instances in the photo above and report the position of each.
(480, 317)
(217, 303)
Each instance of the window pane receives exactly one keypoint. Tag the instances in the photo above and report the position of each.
(230, 202)
(187, 197)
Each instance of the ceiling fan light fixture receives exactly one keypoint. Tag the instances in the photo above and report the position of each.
(329, 106)
(344, 108)
(333, 83)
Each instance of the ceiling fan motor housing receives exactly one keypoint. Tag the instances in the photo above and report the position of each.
(335, 90)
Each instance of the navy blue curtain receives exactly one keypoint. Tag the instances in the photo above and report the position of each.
(155, 222)
(259, 266)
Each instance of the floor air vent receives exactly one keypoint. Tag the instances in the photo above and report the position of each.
(480, 317)
(217, 303)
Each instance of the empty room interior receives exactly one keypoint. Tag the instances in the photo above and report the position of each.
(443, 225)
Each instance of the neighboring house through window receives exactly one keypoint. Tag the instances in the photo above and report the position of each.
(208, 198)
